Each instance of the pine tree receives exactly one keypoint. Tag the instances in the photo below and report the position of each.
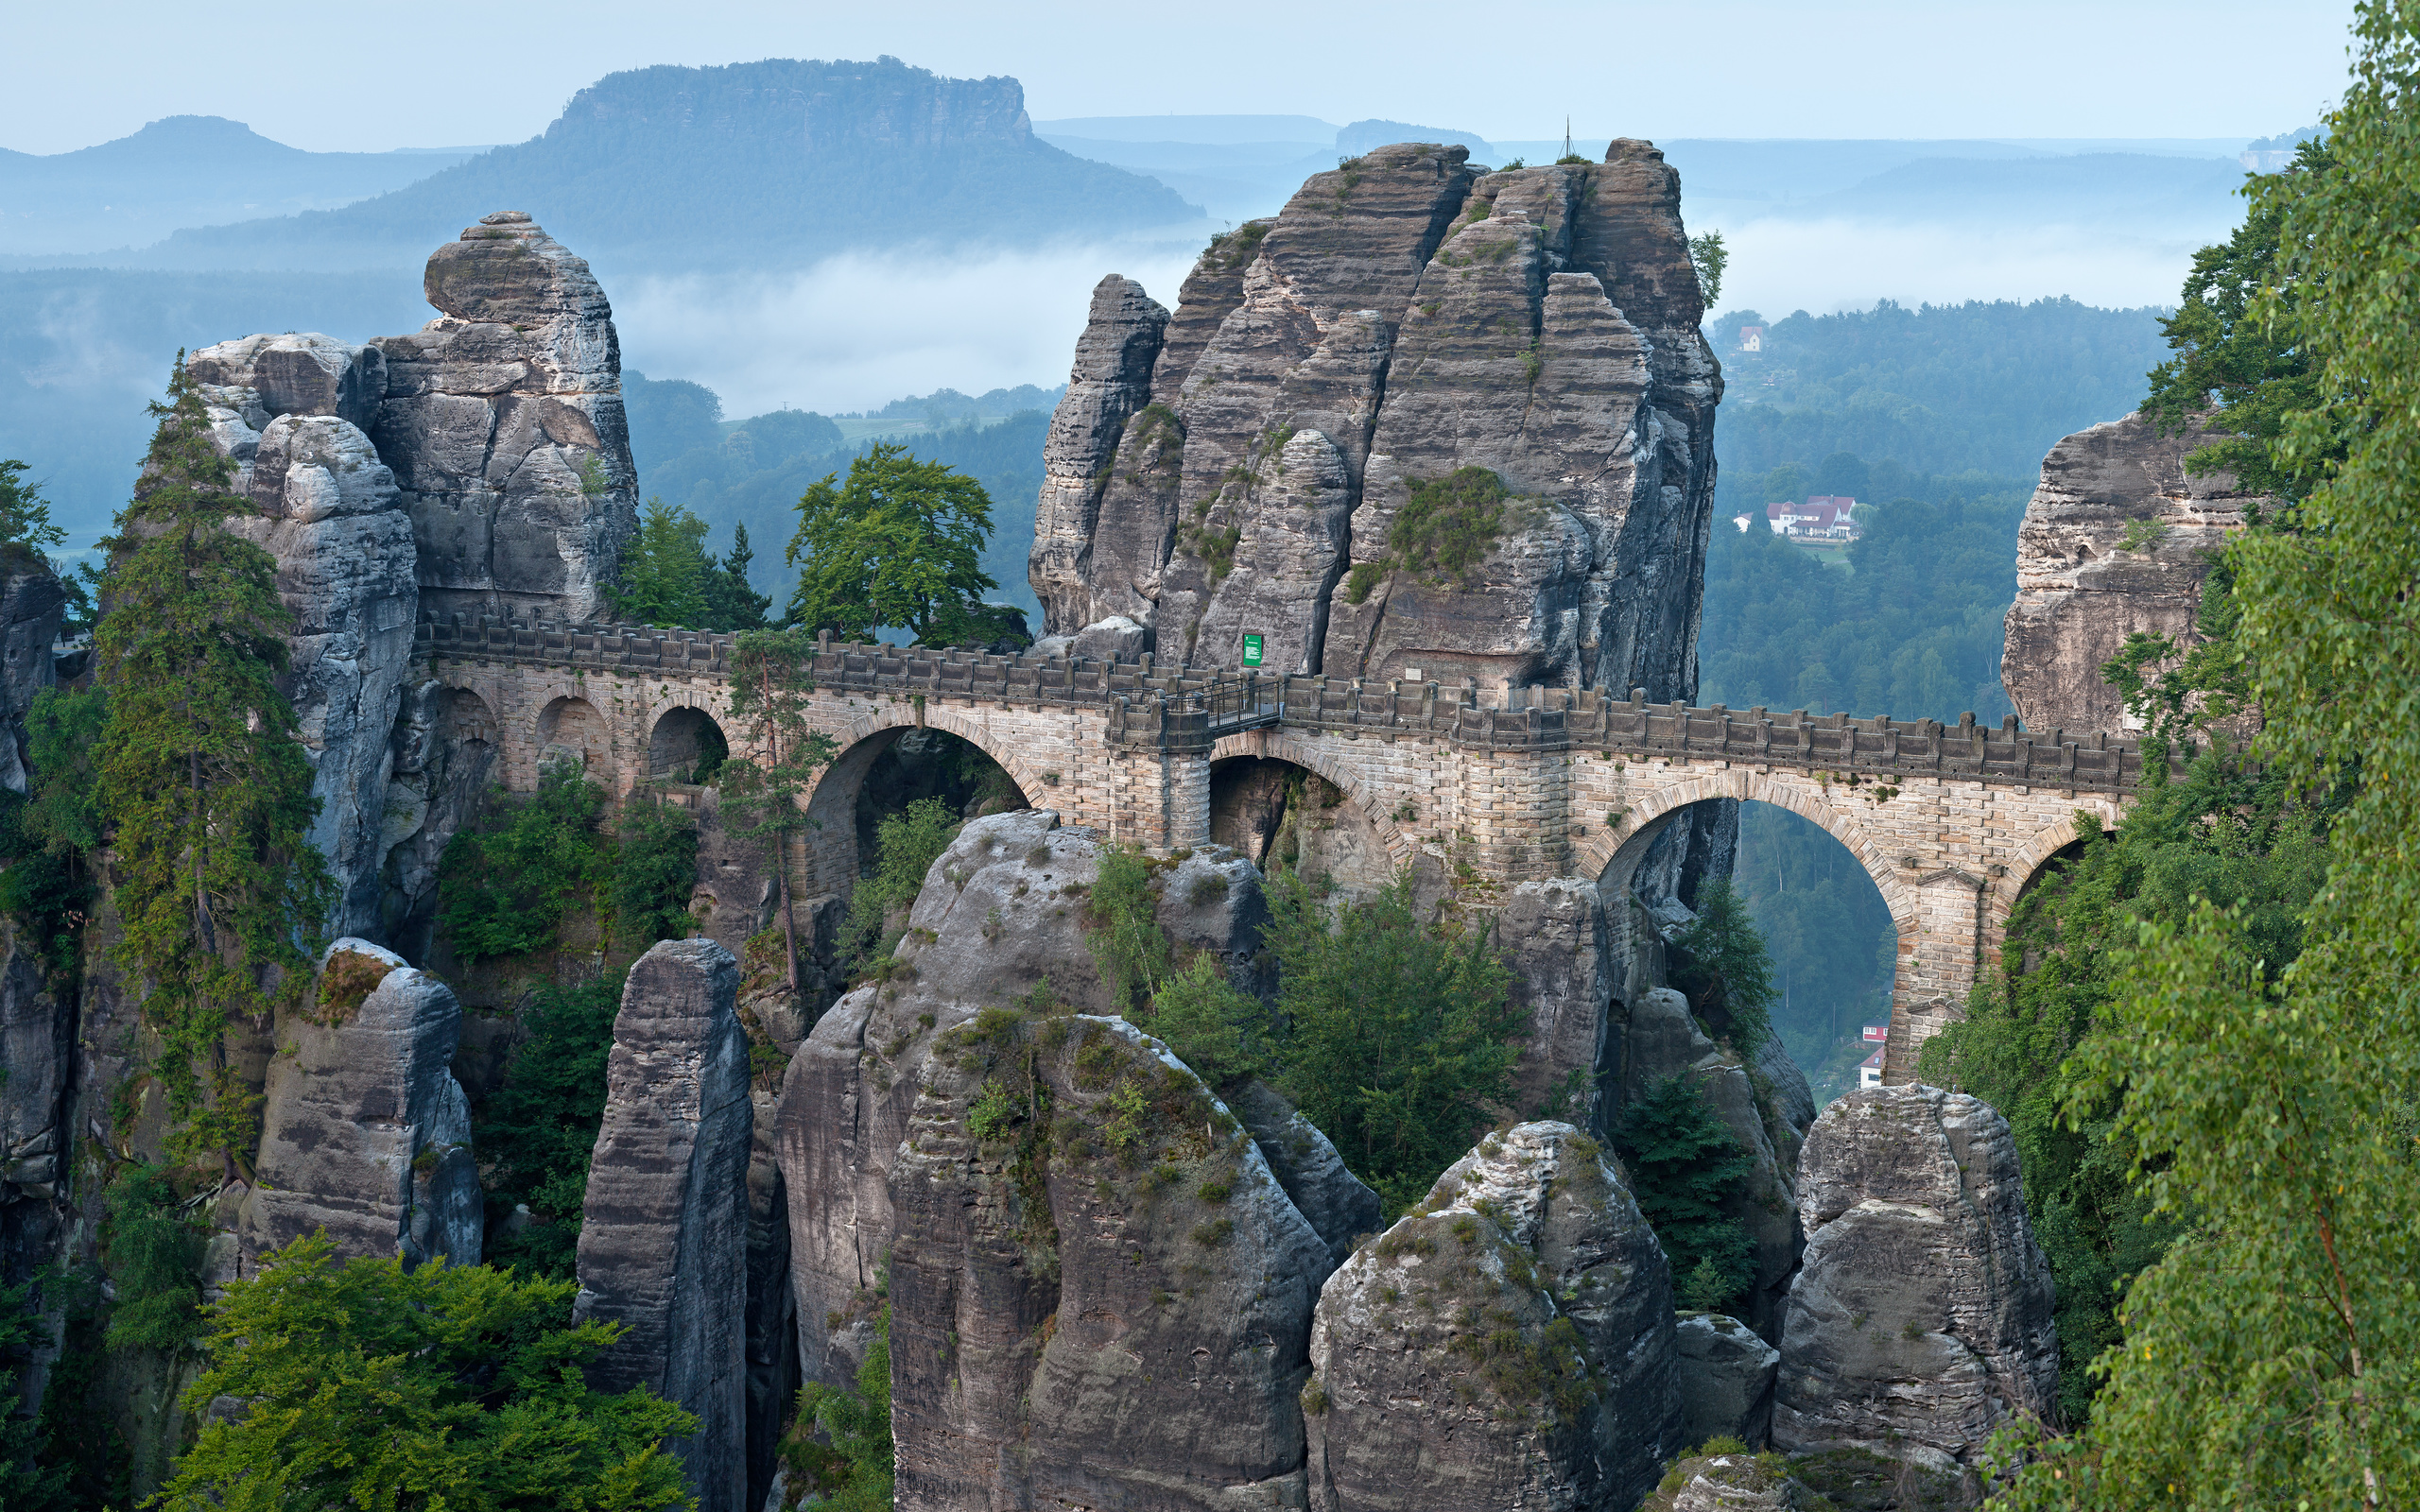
(201, 775)
(730, 603)
(1684, 1166)
(664, 570)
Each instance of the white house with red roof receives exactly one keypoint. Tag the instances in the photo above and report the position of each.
(1824, 517)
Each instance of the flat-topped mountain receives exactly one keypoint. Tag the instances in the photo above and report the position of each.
(777, 161)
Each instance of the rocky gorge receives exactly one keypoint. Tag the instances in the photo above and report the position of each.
(1430, 421)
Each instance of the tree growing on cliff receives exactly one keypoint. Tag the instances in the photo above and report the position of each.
(2271, 1356)
(771, 770)
(367, 1385)
(202, 775)
(1684, 1166)
(900, 543)
(1399, 1036)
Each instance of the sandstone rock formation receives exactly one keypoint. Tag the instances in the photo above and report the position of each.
(503, 420)
(364, 1130)
(1340, 1209)
(1508, 1343)
(665, 1230)
(1100, 1293)
(290, 410)
(2082, 589)
(1553, 936)
(1922, 1315)
(1351, 383)
(481, 465)
(32, 602)
(998, 922)
(1727, 1380)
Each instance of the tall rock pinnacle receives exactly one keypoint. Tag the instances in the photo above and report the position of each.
(1427, 418)
(503, 423)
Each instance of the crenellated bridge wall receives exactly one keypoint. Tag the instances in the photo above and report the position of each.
(1507, 784)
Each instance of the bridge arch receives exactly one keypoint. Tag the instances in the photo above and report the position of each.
(833, 858)
(685, 739)
(1627, 841)
(571, 723)
(1395, 845)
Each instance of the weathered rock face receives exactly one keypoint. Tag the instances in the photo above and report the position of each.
(665, 1230)
(1729, 1482)
(37, 1041)
(364, 1130)
(1101, 1293)
(1325, 368)
(1665, 1040)
(1508, 1343)
(1340, 1209)
(2081, 592)
(1553, 937)
(32, 602)
(1000, 920)
(1727, 1380)
(288, 410)
(1922, 1315)
(443, 747)
(1112, 380)
(503, 421)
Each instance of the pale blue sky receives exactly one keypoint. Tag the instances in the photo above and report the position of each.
(433, 72)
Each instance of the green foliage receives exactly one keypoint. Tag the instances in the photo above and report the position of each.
(53, 834)
(905, 845)
(2254, 368)
(27, 1484)
(1684, 1167)
(504, 887)
(534, 1136)
(2270, 1358)
(152, 1250)
(1123, 927)
(1709, 257)
(854, 1472)
(2220, 836)
(1720, 963)
(203, 772)
(367, 1384)
(1972, 394)
(663, 570)
(898, 543)
(655, 872)
(1833, 946)
(1449, 525)
(26, 530)
(1222, 1034)
(667, 578)
(1913, 629)
(1400, 1035)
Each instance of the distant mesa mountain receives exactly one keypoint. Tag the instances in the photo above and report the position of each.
(186, 170)
(747, 165)
(1363, 135)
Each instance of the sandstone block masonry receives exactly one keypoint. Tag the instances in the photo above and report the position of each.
(1502, 784)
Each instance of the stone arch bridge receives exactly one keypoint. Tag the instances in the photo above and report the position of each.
(1951, 822)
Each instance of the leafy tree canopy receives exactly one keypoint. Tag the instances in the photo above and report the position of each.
(536, 1133)
(2270, 1358)
(454, 1387)
(899, 543)
(667, 578)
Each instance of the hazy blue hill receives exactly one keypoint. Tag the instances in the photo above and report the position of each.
(748, 166)
(186, 170)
